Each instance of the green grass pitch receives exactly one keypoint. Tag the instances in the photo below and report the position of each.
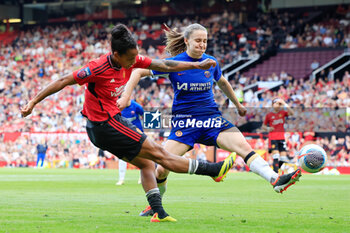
(89, 201)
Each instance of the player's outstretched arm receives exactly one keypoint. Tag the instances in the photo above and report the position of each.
(135, 77)
(289, 109)
(52, 88)
(266, 128)
(175, 66)
(226, 87)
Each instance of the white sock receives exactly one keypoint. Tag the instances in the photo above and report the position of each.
(122, 169)
(192, 166)
(261, 167)
(276, 156)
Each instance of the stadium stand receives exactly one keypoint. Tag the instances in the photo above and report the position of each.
(31, 58)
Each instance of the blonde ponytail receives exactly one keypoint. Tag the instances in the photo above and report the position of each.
(175, 42)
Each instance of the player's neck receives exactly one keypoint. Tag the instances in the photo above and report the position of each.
(115, 62)
(194, 56)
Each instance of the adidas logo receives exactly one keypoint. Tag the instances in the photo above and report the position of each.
(112, 81)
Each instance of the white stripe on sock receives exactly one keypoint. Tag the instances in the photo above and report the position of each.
(152, 191)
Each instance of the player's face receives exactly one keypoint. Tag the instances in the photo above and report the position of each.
(277, 106)
(127, 59)
(197, 43)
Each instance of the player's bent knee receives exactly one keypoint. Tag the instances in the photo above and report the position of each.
(161, 172)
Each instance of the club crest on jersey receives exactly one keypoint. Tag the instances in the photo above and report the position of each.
(83, 73)
(178, 133)
(207, 74)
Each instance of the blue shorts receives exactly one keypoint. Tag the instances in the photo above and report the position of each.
(190, 131)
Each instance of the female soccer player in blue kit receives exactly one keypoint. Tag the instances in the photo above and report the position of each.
(194, 104)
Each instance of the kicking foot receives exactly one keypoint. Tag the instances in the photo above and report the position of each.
(284, 181)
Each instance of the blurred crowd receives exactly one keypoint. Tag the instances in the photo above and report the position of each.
(333, 31)
(39, 55)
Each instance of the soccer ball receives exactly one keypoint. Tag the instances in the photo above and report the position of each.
(312, 158)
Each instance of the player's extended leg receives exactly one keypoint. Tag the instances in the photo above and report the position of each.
(149, 184)
(173, 147)
(153, 151)
(176, 148)
(233, 140)
(122, 165)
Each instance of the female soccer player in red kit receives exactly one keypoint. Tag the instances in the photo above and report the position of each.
(105, 79)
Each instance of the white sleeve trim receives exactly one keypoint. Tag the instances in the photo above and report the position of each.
(159, 75)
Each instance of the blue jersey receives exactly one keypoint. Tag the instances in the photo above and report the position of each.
(41, 148)
(193, 94)
(132, 113)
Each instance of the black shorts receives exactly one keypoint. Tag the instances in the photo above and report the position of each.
(279, 145)
(117, 136)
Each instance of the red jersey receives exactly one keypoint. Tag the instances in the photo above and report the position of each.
(276, 120)
(104, 84)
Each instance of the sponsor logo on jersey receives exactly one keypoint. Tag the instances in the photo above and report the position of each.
(276, 122)
(118, 91)
(112, 81)
(194, 86)
(83, 73)
(182, 86)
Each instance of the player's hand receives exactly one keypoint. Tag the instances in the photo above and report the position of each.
(206, 64)
(271, 129)
(281, 102)
(123, 102)
(242, 111)
(27, 109)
